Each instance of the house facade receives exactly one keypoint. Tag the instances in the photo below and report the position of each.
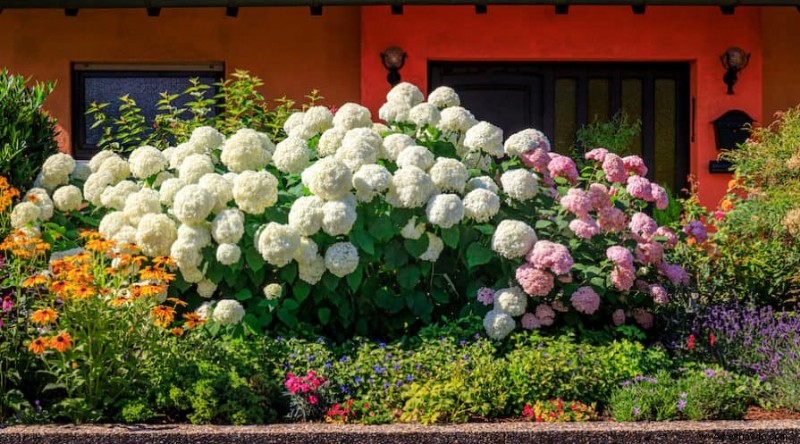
(553, 67)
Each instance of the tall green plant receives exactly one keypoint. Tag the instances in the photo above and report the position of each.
(27, 132)
(615, 135)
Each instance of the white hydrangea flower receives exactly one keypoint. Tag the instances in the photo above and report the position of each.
(302, 132)
(512, 300)
(23, 214)
(482, 182)
(481, 205)
(206, 288)
(138, 204)
(444, 97)
(228, 226)
(168, 152)
(67, 198)
(425, 114)
(305, 216)
(359, 147)
(277, 243)
(169, 189)
(230, 177)
(186, 253)
(524, 141)
(371, 180)
(228, 254)
(273, 291)
(330, 141)
(498, 324)
(380, 128)
(445, 210)
(485, 137)
(192, 204)
(95, 185)
(295, 119)
(405, 93)
(219, 188)
(161, 178)
(115, 196)
(155, 234)
(417, 156)
(255, 191)
(99, 158)
(394, 112)
(328, 178)
(125, 235)
(520, 184)
(307, 251)
(412, 229)
(449, 175)
(363, 135)
(291, 155)
(206, 139)
(40, 198)
(341, 259)
(394, 144)
(228, 312)
(199, 235)
(146, 161)
(456, 119)
(112, 223)
(194, 167)
(318, 119)
(81, 172)
(192, 275)
(204, 310)
(117, 167)
(338, 216)
(411, 187)
(57, 168)
(513, 239)
(435, 248)
(311, 272)
(247, 149)
(352, 115)
(183, 151)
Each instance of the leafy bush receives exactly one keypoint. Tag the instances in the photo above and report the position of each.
(697, 395)
(615, 135)
(27, 133)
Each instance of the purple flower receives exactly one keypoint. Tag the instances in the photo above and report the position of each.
(635, 411)
(681, 404)
(8, 304)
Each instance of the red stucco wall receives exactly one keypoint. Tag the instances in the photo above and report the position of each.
(289, 49)
(781, 42)
(535, 33)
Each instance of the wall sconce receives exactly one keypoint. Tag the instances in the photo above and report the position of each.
(734, 60)
(393, 59)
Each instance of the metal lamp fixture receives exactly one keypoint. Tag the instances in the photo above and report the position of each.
(734, 60)
(393, 59)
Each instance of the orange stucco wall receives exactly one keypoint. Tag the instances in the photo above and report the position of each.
(535, 33)
(781, 59)
(289, 49)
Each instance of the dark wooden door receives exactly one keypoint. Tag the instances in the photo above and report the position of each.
(559, 98)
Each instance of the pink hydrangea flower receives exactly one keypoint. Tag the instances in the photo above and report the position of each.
(659, 294)
(533, 281)
(584, 228)
(614, 168)
(585, 300)
(563, 166)
(643, 225)
(545, 314)
(672, 239)
(559, 306)
(485, 296)
(530, 321)
(597, 154)
(639, 187)
(547, 181)
(620, 256)
(649, 253)
(598, 195)
(536, 159)
(696, 230)
(565, 278)
(660, 196)
(675, 273)
(550, 255)
(611, 219)
(643, 317)
(577, 202)
(618, 317)
(635, 165)
(641, 285)
(622, 278)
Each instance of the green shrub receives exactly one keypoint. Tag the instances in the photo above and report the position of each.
(615, 135)
(27, 132)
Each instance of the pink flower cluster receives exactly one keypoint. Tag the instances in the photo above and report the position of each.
(533, 281)
(305, 386)
(550, 255)
(585, 300)
(543, 316)
(485, 296)
(563, 166)
(696, 230)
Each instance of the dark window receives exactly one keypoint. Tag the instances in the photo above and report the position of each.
(143, 83)
(559, 98)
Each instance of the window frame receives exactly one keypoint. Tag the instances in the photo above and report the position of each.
(81, 71)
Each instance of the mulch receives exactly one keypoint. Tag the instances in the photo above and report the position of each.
(759, 414)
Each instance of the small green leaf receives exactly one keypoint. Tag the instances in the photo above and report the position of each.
(252, 324)
(416, 247)
(408, 276)
(450, 236)
(324, 315)
(290, 304)
(287, 318)
(363, 240)
(477, 255)
(301, 290)
(485, 229)
(381, 228)
(253, 259)
(330, 281)
(243, 294)
(289, 272)
(354, 278)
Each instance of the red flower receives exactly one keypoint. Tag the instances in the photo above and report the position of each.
(712, 339)
(691, 342)
(527, 411)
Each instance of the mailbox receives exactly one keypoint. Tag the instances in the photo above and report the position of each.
(730, 130)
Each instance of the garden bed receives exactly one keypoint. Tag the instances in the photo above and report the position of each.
(509, 432)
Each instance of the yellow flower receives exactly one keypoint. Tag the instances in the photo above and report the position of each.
(44, 316)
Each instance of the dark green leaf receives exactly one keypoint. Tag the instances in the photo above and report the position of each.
(477, 255)
(450, 236)
(300, 290)
(416, 247)
(324, 315)
(354, 278)
(243, 294)
(408, 276)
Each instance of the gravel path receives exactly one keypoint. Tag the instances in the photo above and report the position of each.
(761, 432)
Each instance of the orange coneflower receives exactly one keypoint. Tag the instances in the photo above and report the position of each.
(164, 315)
(193, 320)
(177, 331)
(44, 316)
(89, 234)
(177, 302)
(155, 274)
(100, 245)
(37, 346)
(165, 261)
(83, 291)
(119, 301)
(61, 342)
(138, 291)
(34, 280)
